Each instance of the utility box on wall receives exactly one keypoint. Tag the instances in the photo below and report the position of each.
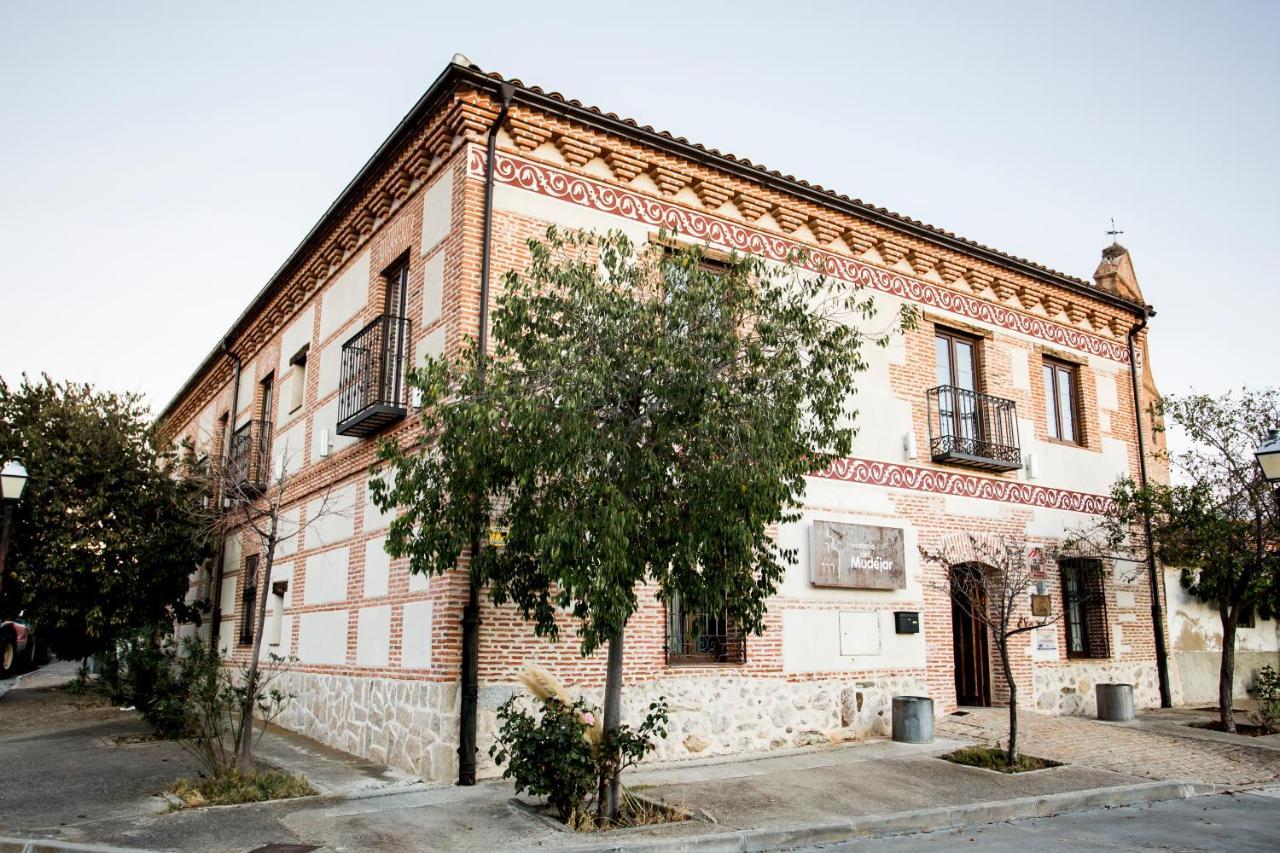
(906, 622)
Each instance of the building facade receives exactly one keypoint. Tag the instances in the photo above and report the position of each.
(1009, 412)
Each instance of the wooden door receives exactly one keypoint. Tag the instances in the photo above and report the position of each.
(972, 657)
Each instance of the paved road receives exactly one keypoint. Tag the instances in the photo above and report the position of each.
(1240, 823)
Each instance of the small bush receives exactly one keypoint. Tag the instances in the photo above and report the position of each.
(558, 757)
(233, 787)
(1266, 686)
(994, 758)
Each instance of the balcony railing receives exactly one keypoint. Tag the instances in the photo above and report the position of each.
(249, 457)
(972, 429)
(372, 393)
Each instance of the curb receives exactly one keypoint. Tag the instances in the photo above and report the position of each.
(919, 820)
(49, 845)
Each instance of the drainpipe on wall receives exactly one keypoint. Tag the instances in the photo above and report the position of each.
(222, 545)
(1153, 573)
(471, 613)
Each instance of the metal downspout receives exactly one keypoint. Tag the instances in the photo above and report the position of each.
(1153, 573)
(471, 613)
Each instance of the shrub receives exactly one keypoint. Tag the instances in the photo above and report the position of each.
(552, 756)
(234, 787)
(1266, 686)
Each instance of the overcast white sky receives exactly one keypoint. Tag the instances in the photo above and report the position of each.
(158, 161)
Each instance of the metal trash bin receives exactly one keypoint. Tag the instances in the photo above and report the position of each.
(1115, 702)
(913, 719)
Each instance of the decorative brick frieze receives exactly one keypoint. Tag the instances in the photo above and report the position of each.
(787, 218)
(891, 250)
(626, 168)
(1004, 289)
(669, 181)
(950, 271)
(859, 242)
(526, 135)
(1028, 296)
(979, 281)
(823, 229)
(711, 194)
(574, 150)
(751, 207)
(577, 189)
(921, 262)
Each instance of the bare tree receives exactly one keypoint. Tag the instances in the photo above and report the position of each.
(247, 489)
(991, 579)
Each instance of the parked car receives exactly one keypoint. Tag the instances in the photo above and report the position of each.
(17, 647)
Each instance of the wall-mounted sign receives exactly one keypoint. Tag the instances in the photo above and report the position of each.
(857, 556)
(1035, 561)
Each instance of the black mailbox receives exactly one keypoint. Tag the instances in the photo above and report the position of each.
(906, 622)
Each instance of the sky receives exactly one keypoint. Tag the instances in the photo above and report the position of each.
(159, 161)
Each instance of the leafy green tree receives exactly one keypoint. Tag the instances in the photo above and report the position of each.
(645, 416)
(102, 542)
(1218, 521)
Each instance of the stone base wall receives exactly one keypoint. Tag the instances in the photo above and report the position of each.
(730, 714)
(411, 725)
(1069, 688)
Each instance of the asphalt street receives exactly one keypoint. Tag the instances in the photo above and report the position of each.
(1240, 823)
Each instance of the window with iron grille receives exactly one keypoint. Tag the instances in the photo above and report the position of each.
(1085, 608)
(701, 637)
(248, 599)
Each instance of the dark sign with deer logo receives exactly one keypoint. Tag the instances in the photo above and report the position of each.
(857, 556)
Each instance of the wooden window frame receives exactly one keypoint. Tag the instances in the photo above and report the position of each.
(1053, 425)
(248, 599)
(298, 388)
(952, 335)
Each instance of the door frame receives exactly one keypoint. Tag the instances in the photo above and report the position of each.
(970, 650)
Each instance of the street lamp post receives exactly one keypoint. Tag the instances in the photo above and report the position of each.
(1268, 456)
(13, 479)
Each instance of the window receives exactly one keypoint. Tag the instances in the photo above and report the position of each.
(268, 390)
(298, 379)
(1060, 401)
(956, 367)
(1247, 617)
(701, 638)
(1084, 608)
(248, 599)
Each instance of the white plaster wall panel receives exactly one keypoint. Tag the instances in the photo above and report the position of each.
(1064, 466)
(296, 336)
(322, 637)
(1125, 599)
(437, 211)
(331, 517)
(231, 552)
(811, 642)
(377, 567)
(287, 529)
(373, 635)
(324, 429)
(796, 582)
(290, 447)
(821, 492)
(345, 296)
(432, 345)
(329, 365)
(225, 634)
(433, 289)
(206, 427)
(566, 214)
(327, 576)
(374, 518)
(1019, 369)
(244, 399)
(229, 601)
(415, 650)
(418, 582)
(1108, 394)
(960, 505)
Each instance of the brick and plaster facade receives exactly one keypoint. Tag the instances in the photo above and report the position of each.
(379, 651)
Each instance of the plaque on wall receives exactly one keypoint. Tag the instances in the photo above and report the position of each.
(857, 556)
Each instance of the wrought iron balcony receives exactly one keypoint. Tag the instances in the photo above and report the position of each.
(248, 461)
(972, 429)
(372, 393)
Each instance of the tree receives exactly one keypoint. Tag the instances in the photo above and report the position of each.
(1218, 521)
(102, 542)
(245, 496)
(648, 413)
(991, 580)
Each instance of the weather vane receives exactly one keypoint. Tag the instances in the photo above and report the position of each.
(1113, 233)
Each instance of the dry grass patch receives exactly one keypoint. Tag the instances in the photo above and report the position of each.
(233, 788)
(994, 758)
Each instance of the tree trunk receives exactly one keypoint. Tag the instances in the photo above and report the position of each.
(1011, 755)
(1227, 671)
(612, 715)
(245, 761)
